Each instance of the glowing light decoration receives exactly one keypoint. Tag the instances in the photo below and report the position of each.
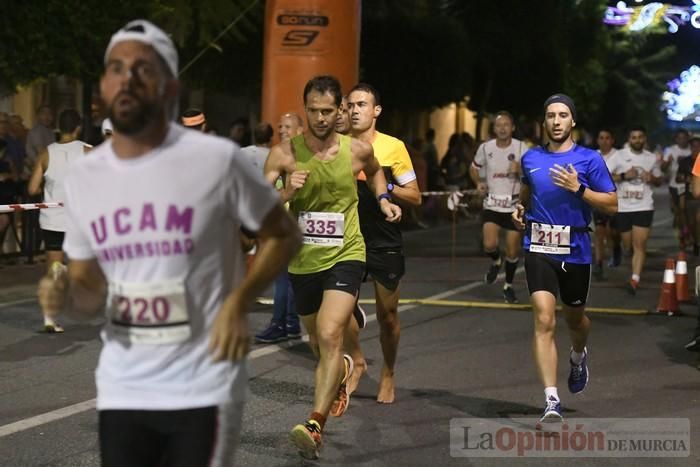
(653, 15)
(682, 100)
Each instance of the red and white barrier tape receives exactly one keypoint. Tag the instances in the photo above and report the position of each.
(28, 206)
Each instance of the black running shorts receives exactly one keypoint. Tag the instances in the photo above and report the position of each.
(570, 280)
(386, 267)
(627, 220)
(502, 219)
(177, 438)
(604, 219)
(53, 240)
(345, 276)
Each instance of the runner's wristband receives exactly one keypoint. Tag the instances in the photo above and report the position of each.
(386, 196)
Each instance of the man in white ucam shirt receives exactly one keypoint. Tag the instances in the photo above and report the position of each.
(51, 169)
(635, 170)
(160, 249)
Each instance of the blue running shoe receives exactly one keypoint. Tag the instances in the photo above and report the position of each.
(552, 411)
(272, 334)
(293, 331)
(578, 377)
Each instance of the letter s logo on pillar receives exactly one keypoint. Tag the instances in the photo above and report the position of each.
(299, 38)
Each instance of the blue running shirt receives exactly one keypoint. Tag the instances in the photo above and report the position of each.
(550, 204)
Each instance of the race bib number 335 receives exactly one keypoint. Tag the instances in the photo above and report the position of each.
(322, 228)
(553, 239)
(151, 313)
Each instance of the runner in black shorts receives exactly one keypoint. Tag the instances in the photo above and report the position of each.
(344, 276)
(385, 260)
(496, 173)
(562, 182)
(636, 171)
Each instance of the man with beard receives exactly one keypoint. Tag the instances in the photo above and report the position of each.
(561, 183)
(499, 162)
(319, 168)
(385, 259)
(160, 249)
(635, 170)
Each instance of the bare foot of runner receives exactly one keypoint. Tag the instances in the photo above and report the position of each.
(354, 380)
(386, 387)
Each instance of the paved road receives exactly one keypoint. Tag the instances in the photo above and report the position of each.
(455, 362)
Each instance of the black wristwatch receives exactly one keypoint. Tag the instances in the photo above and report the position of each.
(581, 189)
(389, 187)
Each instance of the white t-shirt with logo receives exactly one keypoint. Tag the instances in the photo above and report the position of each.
(634, 195)
(673, 153)
(164, 228)
(498, 166)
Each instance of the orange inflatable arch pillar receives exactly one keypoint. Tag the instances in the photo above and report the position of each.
(303, 39)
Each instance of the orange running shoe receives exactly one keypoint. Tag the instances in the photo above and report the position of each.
(342, 400)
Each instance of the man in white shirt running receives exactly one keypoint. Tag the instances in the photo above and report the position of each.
(496, 173)
(672, 154)
(159, 251)
(50, 171)
(635, 170)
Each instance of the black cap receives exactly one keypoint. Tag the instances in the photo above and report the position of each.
(562, 99)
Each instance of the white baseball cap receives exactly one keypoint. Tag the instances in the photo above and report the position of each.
(148, 33)
(107, 126)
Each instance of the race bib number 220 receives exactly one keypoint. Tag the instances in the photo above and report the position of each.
(150, 313)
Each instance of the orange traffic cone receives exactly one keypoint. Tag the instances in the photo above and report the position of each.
(668, 302)
(682, 291)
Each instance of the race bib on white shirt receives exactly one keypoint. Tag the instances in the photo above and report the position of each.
(322, 228)
(633, 192)
(499, 201)
(151, 313)
(553, 239)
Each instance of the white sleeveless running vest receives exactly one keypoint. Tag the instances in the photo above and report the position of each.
(61, 156)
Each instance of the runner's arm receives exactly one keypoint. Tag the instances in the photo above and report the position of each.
(364, 154)
(474, 175)
(523, 204)
(81, 293)
(281, 163)
(408, 192)
(406, 187)
(34, 186)
(604, 202)
(696, 186)
(364, 160)
(524, 197)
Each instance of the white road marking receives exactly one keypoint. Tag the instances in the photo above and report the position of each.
(84, 406)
